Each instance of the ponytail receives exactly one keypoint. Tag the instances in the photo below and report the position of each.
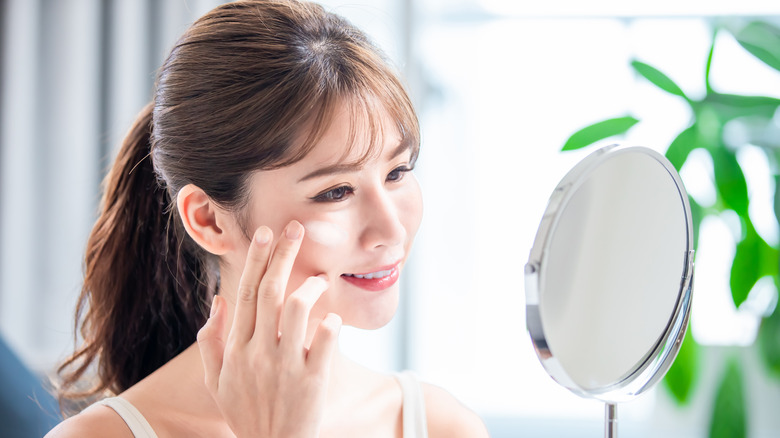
(146, 283)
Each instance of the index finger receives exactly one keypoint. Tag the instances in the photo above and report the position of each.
(274, 283)
(246, 297)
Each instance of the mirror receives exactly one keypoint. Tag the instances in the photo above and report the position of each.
(608, 280)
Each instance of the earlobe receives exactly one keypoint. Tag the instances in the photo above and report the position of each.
(203, 219)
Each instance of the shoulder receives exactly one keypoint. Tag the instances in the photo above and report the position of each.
(95, 421)
(447, 417)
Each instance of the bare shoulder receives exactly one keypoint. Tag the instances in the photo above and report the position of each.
(447, 417)
(95, 421)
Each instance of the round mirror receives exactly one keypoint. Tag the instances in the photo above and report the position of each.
(608, 281)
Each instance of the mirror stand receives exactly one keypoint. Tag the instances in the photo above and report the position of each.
(610, 420)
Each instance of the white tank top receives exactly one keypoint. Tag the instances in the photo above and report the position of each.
(134, 420)
(414, 422)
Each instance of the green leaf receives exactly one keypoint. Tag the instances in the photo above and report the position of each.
(681, 146)
(697, 214)
(659, 79)
(599, 131)
(708, 125)
(763, 41)
(732, 106)
(707, 84)
(769, 342)
(753, 259)
(770, 260)
(746, 267)
(729, 415)
(730, 180)
(777, 198)
(681, 376)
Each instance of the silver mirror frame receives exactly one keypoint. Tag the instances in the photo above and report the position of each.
(655, 364)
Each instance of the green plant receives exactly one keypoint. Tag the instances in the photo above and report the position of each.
(754, 258)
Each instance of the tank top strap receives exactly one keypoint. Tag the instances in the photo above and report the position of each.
(414, 421)
(132, 417)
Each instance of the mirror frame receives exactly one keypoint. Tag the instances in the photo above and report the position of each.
(657, 361)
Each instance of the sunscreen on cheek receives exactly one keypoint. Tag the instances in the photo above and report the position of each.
(325, 233)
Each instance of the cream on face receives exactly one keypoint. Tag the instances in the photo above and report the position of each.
(325, 233)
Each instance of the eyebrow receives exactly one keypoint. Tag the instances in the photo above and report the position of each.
(351, 167)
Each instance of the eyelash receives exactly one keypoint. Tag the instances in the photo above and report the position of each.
(340, 193)
(400, 171)
(329, 196)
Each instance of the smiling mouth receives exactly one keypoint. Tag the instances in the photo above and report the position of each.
(371, 275)
(374, 281)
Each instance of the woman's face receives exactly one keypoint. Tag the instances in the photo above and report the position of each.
(359, 221)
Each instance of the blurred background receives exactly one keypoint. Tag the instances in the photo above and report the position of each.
(500, 86)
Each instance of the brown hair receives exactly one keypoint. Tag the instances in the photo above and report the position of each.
(235, 95)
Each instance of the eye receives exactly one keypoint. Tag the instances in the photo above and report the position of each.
(397, 174)
(335, 195)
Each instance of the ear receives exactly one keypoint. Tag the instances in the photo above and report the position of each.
(204, 221)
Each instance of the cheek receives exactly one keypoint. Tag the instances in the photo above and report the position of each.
(314, 258)
(330, 240)
(325, 245)
(326, 241)
(324, 233)
(410, 208)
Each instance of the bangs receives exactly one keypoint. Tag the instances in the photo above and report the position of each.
(373, 113)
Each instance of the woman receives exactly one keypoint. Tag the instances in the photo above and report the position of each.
(271, 178)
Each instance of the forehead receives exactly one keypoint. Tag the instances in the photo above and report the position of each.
(353, 137)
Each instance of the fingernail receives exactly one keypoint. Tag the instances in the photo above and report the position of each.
(293, 230)
(214, 305)
(263, 236)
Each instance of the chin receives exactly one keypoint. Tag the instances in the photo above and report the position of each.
(373, 313)
(372, 323)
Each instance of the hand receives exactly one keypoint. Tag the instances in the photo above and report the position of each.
(268, 384)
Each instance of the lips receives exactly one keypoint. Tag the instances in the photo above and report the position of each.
(374, 281)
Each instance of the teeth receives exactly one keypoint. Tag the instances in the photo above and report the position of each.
(372, 275)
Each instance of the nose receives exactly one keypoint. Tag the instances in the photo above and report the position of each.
(382, 224)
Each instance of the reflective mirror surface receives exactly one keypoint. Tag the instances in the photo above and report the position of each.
(608, 279)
